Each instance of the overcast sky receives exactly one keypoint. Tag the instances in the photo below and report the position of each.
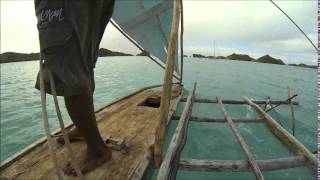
(250, 26)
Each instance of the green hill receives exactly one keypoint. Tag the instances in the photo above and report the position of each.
(268, 59)
(8, 57)
(198, 56)
(106, 52)
(241, 57)
(16, 57)
(304, 65)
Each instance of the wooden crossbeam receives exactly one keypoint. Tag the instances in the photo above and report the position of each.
(221, 120)
(241, 165)
(242, 143)
(171, 160)
(228, 101)
(283, 135)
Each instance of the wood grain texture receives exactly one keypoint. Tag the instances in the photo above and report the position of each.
(229, 101)
(221, 120)
(177, 141)
(167, 84)
(124, 120)
(242, 165)
(283, 135)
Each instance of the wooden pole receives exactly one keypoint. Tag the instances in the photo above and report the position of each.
(178, 139)
(181, 42)
(293, 119)
(283, 135)
(229, 101)
(241, 165)
(166, 92)
(242, 143)
(222, 120)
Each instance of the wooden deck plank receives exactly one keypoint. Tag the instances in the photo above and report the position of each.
(124, 119)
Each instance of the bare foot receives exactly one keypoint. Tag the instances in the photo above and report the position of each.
(74, 135)
(89, 163)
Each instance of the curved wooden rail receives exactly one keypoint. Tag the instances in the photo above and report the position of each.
(170, 163)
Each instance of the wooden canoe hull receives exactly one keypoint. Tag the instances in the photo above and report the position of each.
(124, 119)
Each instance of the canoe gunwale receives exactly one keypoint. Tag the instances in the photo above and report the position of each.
(15, 157)
(140, 171)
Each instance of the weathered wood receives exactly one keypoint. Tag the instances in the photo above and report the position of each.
(140, 169)
(293, 119)
(125, 119)
(166, 93)
(29, 148)
(228, 101)
(283, 135)
(242, 143)
(181, 41)
(221, 120)
(177, 139)
(241, 165)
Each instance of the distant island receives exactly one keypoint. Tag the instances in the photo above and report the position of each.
(304, 65)
(106, 52)
(241, 57)
(8, 57)
(244, 57)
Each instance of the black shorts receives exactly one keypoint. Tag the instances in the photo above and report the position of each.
(70, 32)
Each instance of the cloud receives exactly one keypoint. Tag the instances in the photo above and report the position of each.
(18, 27)
(253, 27)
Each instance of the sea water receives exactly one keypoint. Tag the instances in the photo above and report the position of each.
(21, 120)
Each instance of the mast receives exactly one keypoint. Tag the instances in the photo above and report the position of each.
(167, 85)
(214, 49)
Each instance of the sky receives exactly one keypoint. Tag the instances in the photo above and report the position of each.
(253, 27)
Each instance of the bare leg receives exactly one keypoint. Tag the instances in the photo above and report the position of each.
(73, 134)
(81, 111)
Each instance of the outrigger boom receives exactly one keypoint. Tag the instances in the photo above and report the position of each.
(172, 162)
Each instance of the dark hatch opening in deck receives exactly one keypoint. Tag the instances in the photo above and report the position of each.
(153, 102)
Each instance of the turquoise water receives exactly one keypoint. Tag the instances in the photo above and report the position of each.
(21, 122)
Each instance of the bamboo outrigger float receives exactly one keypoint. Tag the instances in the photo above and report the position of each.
(172, 162)
(136, 125)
